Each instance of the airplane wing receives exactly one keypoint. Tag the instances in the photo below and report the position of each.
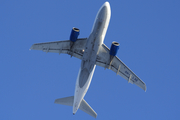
(76, 50)
(103, 60)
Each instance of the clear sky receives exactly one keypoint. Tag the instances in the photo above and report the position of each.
(149, 35)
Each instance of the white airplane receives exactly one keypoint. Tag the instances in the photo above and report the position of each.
(91, 51)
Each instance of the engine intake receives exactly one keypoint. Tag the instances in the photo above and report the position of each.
(74, 34)
(114, 48)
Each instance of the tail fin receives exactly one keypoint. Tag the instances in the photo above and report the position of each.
(84, 106)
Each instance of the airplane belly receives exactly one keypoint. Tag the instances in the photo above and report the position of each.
(82, 84)
(83, 78)
(95, 40)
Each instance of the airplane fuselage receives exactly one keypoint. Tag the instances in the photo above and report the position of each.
(95, 40)
(92, 51)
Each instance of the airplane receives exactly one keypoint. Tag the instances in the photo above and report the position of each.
(91, 51)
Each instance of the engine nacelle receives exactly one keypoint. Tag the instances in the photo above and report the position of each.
(74, 34)
(114, 48)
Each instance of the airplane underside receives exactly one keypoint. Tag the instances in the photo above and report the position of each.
(91, 51)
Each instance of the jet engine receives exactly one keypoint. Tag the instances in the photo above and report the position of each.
(114, 48)
(74, 34)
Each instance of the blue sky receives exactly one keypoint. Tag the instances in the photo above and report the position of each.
(149, 35)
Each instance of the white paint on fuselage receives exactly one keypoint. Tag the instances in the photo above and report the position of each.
(88, 65)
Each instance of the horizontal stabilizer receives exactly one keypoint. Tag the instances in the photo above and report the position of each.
(65, 101)
(84, 106)
(87, 108)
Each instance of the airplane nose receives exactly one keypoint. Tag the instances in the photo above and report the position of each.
(106, 4)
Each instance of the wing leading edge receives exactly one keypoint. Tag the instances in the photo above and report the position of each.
(76, 49)
(103, 60)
